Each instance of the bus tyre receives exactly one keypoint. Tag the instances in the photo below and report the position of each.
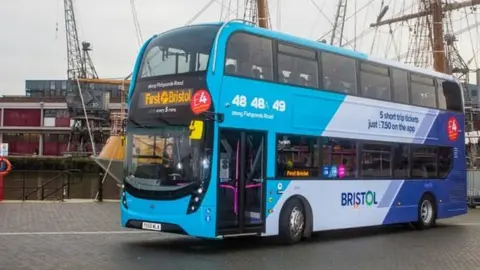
(292, 222)
(427, 213)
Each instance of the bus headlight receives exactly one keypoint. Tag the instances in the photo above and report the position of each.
(196, 199)
(124, 199)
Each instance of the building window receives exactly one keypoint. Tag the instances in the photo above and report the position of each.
(374, 81)
(376, 161)
(297, 156)
(249, 56)
(297, 66)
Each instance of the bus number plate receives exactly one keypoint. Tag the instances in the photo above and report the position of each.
(151, 226)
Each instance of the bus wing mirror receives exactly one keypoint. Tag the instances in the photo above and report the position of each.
(196, 130)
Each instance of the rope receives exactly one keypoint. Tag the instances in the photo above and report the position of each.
(116, 151)
(106, 172)
(136, 22)
(200, 12)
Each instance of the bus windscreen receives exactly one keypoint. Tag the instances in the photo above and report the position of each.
(179, 51)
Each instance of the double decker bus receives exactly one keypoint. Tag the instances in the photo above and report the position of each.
(238, 130)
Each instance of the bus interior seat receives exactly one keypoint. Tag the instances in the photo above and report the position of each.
(304, 81)
(327, 82)
(384, 93)
(295, 77)
(257, 74)
(345, 87)
(231, 69)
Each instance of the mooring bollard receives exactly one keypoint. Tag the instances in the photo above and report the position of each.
(100, 186)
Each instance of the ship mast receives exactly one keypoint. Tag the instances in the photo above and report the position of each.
(437, 11)
(439, 63)
(262, 7)
(446, 57)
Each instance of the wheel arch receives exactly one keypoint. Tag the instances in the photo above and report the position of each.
(308, 214)
(434, 198)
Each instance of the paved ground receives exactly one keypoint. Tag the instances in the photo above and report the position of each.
(88, 236)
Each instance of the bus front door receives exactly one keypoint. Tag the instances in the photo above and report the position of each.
(241, 184)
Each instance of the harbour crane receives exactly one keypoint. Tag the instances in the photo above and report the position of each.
(88, 106)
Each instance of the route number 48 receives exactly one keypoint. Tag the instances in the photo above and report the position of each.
(240, 101)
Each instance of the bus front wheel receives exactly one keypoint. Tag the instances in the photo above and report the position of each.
(427, 212)
(292, 221)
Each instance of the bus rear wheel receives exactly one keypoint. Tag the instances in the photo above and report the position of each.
(427, 213)
(292, 222)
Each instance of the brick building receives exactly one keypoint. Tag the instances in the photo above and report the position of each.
(39, 121)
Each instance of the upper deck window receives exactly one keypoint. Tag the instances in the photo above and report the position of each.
(297, 66)
(375, 81)
(339, 73)
(423, 91)
(400, 85)
(449, 96)
(249, 56)
(179, 51)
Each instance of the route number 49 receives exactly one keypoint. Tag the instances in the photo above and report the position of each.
(279, 105)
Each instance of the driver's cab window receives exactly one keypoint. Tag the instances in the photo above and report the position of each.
(151, 150)
(147, 149)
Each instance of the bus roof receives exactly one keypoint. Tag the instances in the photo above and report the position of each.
(326, 47)
(339, 50)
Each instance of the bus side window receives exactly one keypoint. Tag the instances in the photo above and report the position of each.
(339, 73)
(253, 54)
(449, 96)
(423, 91)
(375, 81)
(400, 85)
(376, 160)
(301, 64)
(297, 156)
(424, 161)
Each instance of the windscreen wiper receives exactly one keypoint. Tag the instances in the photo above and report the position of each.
(213, 116)
(148, 126)
(163, 120)
(138, 124)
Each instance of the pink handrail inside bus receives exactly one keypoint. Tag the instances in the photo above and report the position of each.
(234, 186)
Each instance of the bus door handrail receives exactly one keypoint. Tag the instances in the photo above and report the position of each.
(217, 37)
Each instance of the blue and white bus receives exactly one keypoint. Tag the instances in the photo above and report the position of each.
(238, 130)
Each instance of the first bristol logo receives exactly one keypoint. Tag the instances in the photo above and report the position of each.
(357, 199)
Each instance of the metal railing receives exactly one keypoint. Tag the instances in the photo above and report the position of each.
(59, 185)
(473, 187)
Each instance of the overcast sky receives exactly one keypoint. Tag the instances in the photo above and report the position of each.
(33, 48)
